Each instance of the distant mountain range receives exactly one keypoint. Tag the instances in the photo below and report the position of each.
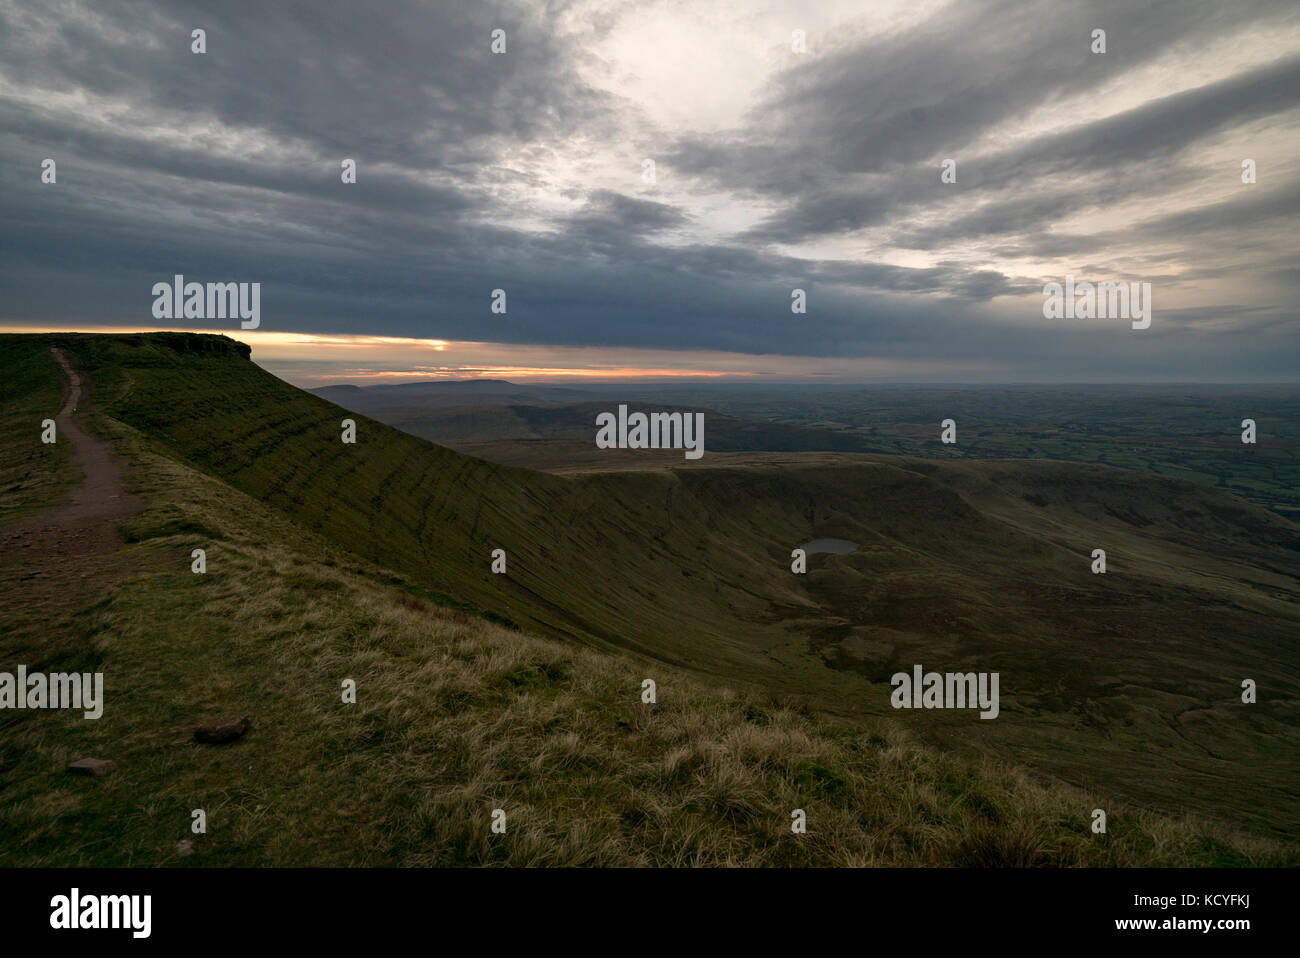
(450, 392)
(493, 410)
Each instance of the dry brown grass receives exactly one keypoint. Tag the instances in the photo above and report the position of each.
(457, 717)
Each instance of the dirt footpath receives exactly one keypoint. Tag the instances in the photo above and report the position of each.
(47, 545)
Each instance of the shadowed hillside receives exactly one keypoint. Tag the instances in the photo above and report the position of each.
(1128, 681)
(437, 415)
(455, 717)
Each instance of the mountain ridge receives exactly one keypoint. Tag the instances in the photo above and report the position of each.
(956, 568)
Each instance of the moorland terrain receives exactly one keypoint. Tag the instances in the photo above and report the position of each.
(522, 691)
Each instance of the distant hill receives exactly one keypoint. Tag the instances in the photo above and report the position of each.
(435, 393)
(496, 413)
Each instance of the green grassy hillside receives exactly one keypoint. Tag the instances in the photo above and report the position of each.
(32, 477)
(1127, 682)
(455, 717)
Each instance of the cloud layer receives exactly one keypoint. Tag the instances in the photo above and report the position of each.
(774, 169)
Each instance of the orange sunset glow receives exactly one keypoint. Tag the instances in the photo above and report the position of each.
(318, 359)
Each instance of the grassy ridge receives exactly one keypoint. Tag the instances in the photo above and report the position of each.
(609, 560)
(456, 717)
(1128, 681)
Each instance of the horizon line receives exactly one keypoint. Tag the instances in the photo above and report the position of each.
(321, 360)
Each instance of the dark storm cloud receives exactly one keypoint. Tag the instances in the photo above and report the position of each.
(403, 80)
(226, 166)
(610, 219)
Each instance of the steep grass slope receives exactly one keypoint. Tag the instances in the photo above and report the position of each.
(609, 560)
(455, 717)
(1129, 681)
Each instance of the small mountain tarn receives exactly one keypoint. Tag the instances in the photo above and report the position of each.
(841, 547)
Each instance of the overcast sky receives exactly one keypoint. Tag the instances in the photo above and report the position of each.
(774, 169)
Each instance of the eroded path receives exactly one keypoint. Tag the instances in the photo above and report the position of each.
(56, 544)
